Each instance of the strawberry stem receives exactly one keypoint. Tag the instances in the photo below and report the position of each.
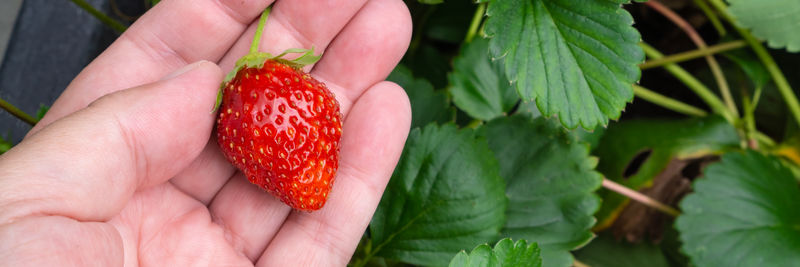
(261, 22)
(13, 110)
(105, 19)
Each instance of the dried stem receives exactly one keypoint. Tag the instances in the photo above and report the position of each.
(577, 263)
(777, 75)
(693, 83)
(639, 197)
(695, 37)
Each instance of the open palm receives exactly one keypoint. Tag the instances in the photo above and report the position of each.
(133, 178)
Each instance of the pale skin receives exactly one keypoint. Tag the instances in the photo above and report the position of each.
(123, 169)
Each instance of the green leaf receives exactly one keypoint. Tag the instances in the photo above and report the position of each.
(431, 2)
(590, 137)
(430, 63)
(478, 84)
(427, 105)
(550, 184)
(42, 111)
(752, 67)
(604, 251)
(578, 59)
(743, 212)
(775, 20)
(450, 21)
(5, 145)
(445, 195)
(505, 253)
(657, 142)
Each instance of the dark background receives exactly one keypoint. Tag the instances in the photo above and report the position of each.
(50, 44)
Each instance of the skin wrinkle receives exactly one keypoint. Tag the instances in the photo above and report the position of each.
(134, 148)
(298, 36)
(231, 236)
(243, 20)
(238, 239)
(156, 48)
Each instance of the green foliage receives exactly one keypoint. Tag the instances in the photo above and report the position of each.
(449, 21)
(665, 140)
(427, 105)
(604, 251)
(42, 111)
(5, 145)
(445, 195)
(505, 254)
(775, 21)
(743, 212)
(430, 63)
(749, 63)
(431, 2)
(478, 84)
(550, 183)
(576, 59)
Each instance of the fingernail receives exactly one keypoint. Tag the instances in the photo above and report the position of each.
(183, 70)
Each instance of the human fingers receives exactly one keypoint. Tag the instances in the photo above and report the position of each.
(250, 216)
(375, 132)
(162, 226)
(169, 36)
(204, 177)
(87, 165)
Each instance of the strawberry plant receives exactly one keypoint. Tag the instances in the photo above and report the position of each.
(519, 131)
(560, 133)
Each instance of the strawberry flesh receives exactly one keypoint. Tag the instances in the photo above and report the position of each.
(282, 128)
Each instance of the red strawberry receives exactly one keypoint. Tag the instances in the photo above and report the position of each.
(281, 128)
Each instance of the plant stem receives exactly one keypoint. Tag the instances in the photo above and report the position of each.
(689, 55)
(476, 22)
(418, 30)
(716, 71)
(712, 16)
(667, 102)
(690, 81)
(18, 112)
(105, 19)
(763, 138)
(749, 120)
(723, 11)
(777, 75)
(261, 22)
(639, 197)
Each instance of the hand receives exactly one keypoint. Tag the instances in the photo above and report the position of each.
(116, 176)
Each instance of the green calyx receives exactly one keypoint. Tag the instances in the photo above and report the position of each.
(256, 59)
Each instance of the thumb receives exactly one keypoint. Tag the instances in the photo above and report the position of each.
(87, 165)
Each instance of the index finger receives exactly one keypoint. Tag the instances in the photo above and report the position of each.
(169, 36)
